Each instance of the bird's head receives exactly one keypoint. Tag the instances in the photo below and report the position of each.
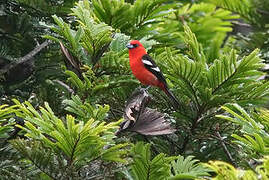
(136, 47)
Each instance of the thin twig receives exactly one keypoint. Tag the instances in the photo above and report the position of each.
(73, 151)
(225, 148)
(68, 88)
(195, 123)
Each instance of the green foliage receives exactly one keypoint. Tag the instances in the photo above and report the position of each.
(6, 122)
(209, 85)
(244, 7)
(114, 62)
(92, 37)
(204, 86)
(188, 168)
(132, 19)
(85, 111)
(112, 13)
(83, 86)
(20, 33)
(209, 59)
(255, 13)
(79, 142)
(226, 171)
(205, 20)
(205, 79)
(70, 35)
(103, 54)
(14, 29)
(253, 137)
(72, 138)
(50, 6)
(43, 158)
(92, 85)
(145, 168)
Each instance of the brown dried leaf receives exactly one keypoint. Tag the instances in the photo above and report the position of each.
(144, 120)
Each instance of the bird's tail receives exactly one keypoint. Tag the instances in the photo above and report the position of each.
(171, 96)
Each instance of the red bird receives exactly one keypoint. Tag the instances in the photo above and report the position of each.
(145, 69)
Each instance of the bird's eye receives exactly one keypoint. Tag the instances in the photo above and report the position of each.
(135, 45)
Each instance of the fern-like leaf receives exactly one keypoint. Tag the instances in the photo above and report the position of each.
(188, 168)
(227, 171)
(255, 139)
(244, 8)
(72, 138)
(146, 168)
(43, 158)
(85, 111)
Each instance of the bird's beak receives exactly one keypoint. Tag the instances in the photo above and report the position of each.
(130, 46)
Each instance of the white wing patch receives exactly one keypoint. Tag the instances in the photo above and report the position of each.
(156, 69)
(147, 62)
(152, 66)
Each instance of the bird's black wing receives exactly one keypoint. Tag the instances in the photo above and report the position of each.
(153, 68)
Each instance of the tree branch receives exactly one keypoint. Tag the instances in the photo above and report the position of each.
(33, 52)
(25, 58)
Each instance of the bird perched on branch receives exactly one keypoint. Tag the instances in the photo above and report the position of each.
(146, 71)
